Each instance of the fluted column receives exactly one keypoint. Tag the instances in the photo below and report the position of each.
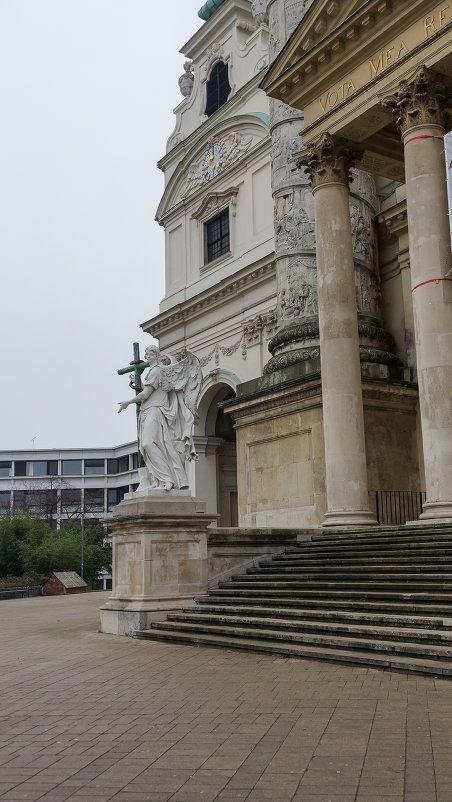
(420, 110)
(328, 163)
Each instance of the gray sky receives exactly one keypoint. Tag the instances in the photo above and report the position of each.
(87, 89)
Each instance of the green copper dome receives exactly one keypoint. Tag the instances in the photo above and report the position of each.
(209, 8)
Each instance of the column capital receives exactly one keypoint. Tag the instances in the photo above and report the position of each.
(422, 101)
(328, 161)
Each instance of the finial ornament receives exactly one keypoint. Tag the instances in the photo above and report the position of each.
(259, 12)
(187, 80)
(329, 161)
(424, 100)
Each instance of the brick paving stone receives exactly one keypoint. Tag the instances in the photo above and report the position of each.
(93, 718)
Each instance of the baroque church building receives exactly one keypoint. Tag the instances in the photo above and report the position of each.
(308, 260)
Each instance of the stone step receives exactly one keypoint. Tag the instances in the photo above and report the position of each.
(313, 603)
(346, 544)
(385, 582)
(349, 629)
(394, 662)
(432, 598)
(345, 558)
(310, 614)
(427, 569)
(432, 651)
(381, 532)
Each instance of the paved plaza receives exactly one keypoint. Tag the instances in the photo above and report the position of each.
(92, 717)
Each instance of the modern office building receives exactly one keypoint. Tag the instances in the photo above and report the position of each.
(59, 484)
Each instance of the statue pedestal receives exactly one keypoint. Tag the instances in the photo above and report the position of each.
(159, 558)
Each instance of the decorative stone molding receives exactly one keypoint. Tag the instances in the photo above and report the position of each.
(232, 146)
(423, 101)
(259, 12)
(329, 161)
(187, 80)
(213, 54)
(253, 329)
(291, 358)
(223, 350)
(295, 332)
(215, 202)
(217, 295)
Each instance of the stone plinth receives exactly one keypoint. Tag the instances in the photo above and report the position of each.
(159, 558)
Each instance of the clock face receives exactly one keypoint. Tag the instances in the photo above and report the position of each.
(212, 161)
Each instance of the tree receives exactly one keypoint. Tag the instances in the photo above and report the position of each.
(31, 548)
(11, 564)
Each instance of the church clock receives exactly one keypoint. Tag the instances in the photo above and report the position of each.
(213, 161)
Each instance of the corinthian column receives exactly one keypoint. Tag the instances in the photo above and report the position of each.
(328, 163)
(420, 110)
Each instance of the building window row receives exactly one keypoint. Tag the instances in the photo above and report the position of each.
(63, 503)
(69, 467)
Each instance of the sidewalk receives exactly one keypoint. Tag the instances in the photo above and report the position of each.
(92, 717)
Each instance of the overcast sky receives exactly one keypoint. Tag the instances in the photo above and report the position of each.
(87, 89)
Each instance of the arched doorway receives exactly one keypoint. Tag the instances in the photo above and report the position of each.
(216, 470)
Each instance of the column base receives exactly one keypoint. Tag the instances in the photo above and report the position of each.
(436, 510)
(347, 518)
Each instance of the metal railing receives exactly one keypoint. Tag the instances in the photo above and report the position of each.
(397, 506)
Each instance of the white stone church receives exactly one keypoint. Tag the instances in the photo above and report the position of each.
(242, 287)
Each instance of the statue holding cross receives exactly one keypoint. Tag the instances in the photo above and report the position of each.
(166, 407)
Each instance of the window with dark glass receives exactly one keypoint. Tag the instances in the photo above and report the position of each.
(71, 501)
(20, 467)
(5, 469)
(94, 499)
(94, 466)
(218, 88)
(112, 466)
(115, 495)
(135, 461)
(123, 464)
(71, 467)
(5, 502)
(217, 236)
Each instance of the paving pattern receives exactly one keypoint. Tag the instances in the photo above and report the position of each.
(92, 717)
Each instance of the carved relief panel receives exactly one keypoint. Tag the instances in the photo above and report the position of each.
(294, 221)
(297, 289)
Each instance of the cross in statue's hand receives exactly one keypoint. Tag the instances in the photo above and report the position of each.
(137, 366)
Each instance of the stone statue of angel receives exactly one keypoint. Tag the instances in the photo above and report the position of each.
(168, 400)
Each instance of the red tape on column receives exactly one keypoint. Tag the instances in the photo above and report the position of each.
(430, 282)
(423, 136)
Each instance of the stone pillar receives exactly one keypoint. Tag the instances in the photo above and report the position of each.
(328, 163)
(420, 110)
(159, 558)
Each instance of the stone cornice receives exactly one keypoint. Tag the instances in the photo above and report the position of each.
(317, 44)
(214, 296)
(395, 218)
(215, 201)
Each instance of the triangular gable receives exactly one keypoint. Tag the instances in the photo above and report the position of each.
(322, 18)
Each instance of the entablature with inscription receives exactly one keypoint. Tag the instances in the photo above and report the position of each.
(340, 81)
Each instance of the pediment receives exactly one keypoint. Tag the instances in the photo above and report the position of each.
(322, 18)
(234, 138)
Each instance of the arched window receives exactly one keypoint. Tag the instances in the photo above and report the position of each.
(218, 88)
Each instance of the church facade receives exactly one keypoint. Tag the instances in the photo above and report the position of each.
(308, 259)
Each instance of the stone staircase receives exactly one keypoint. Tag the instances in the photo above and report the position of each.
(376, 597)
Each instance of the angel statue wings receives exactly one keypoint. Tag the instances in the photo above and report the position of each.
(165, 424)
